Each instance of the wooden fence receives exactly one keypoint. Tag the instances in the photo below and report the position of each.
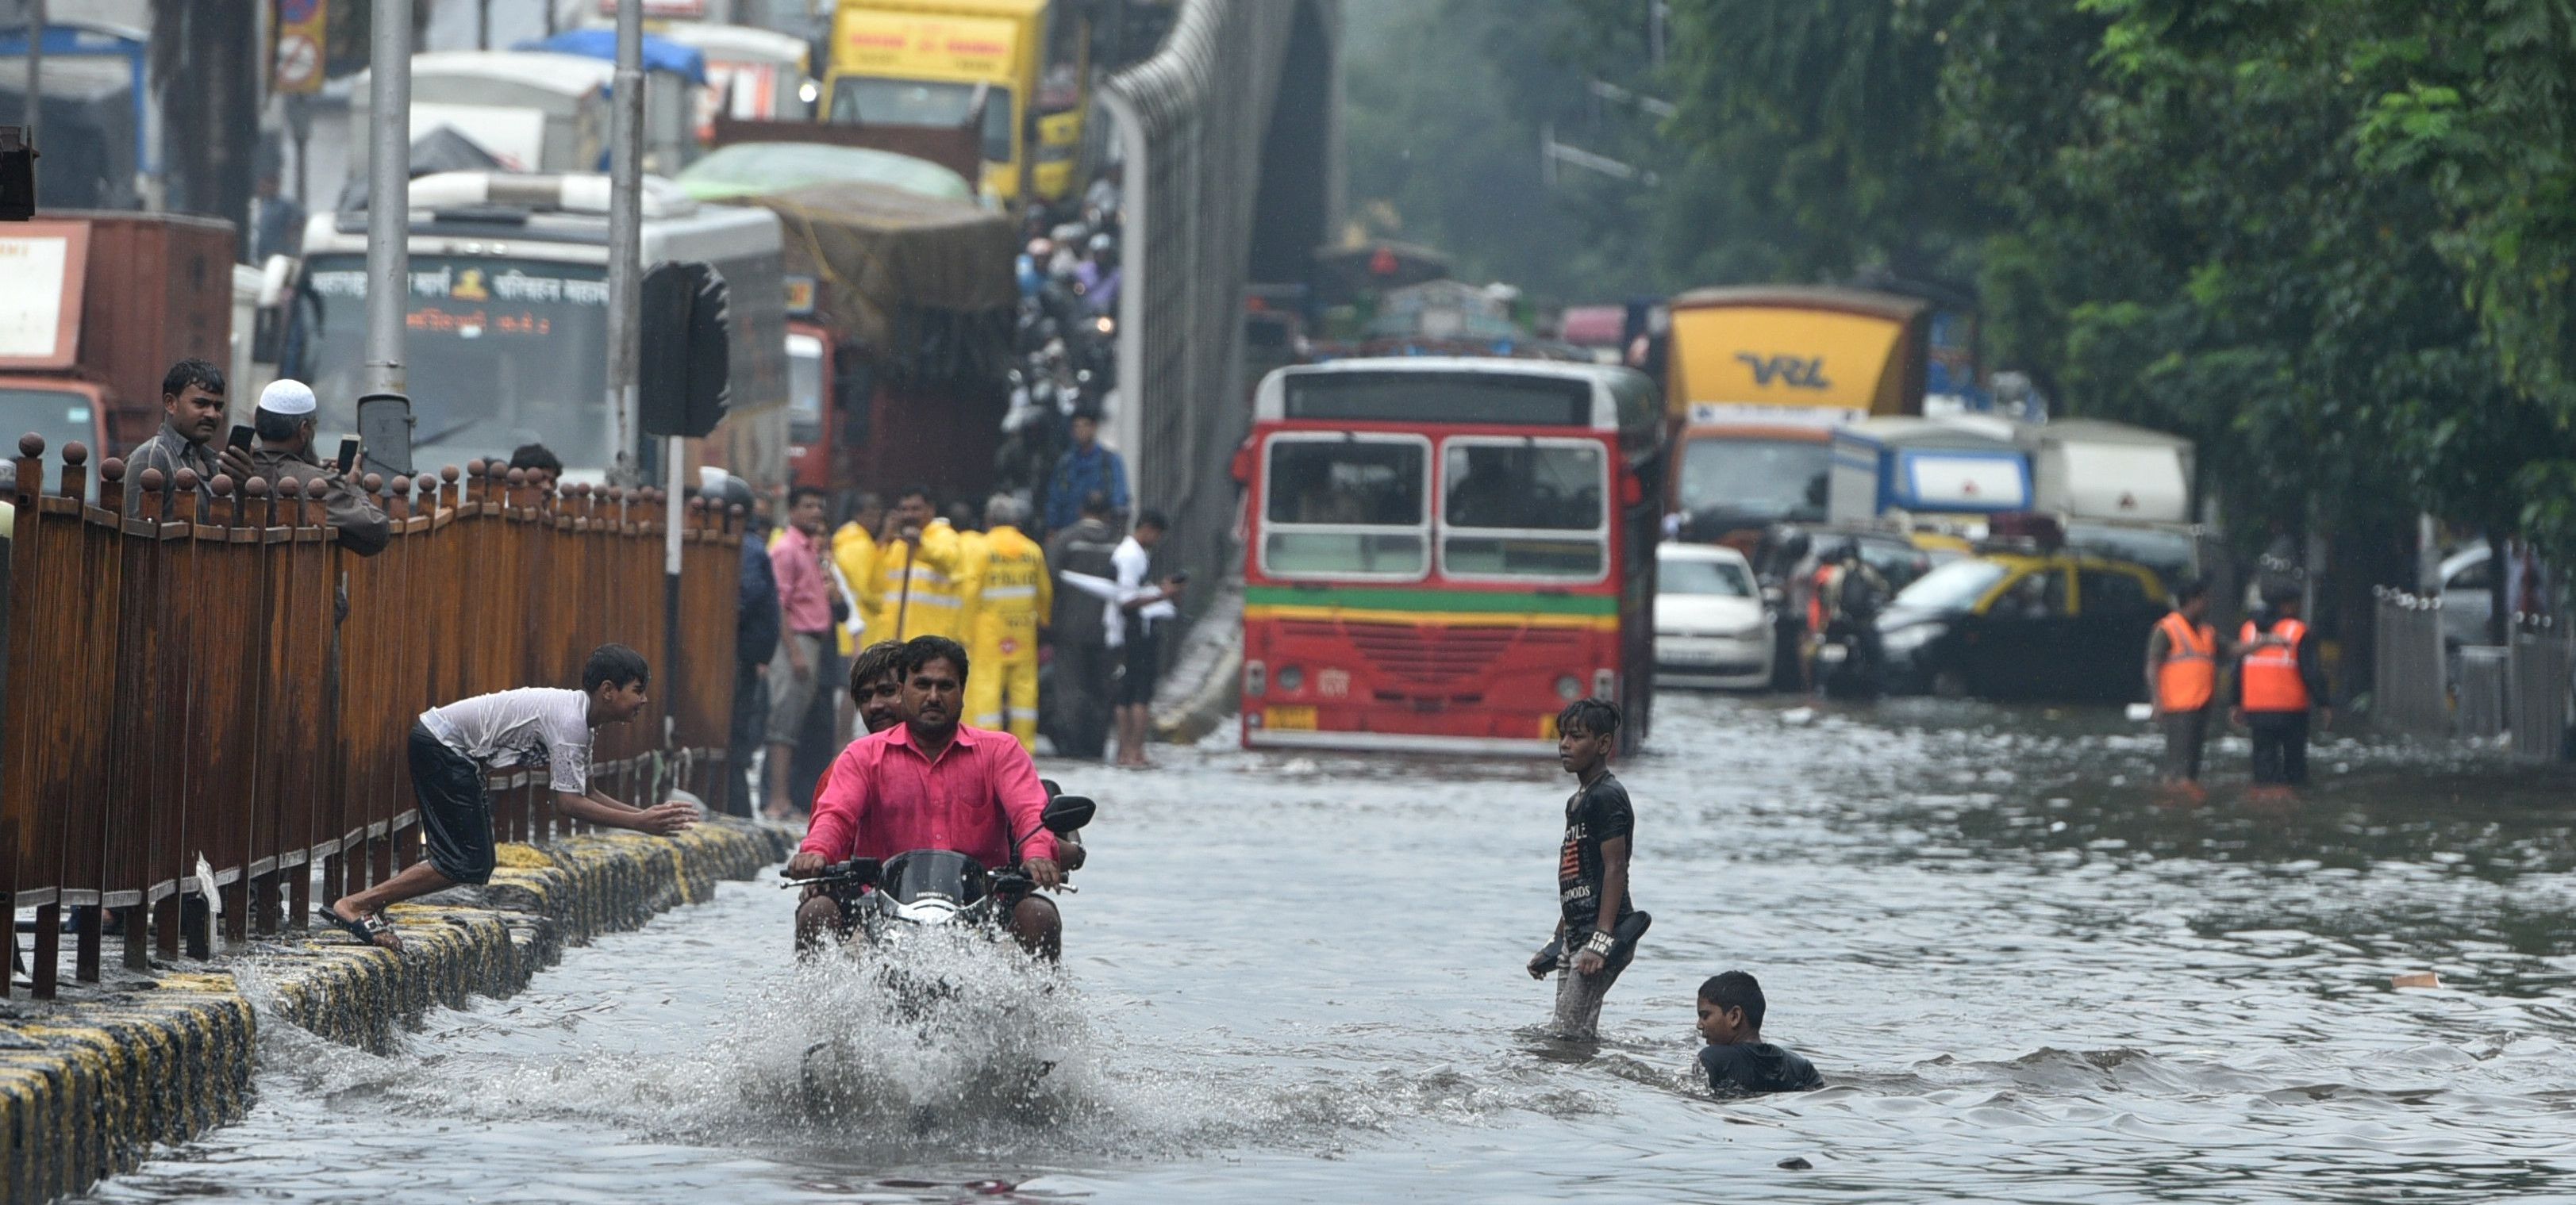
(180, 689)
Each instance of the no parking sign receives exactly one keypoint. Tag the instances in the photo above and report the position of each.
(296, 60)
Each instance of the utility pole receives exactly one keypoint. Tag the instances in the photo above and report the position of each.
(626, 239)
(35, 70)
(388, 199)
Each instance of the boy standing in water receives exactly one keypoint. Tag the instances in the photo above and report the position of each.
(1598, 925)
(1737, 1060)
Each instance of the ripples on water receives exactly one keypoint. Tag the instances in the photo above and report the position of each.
(2027, 973)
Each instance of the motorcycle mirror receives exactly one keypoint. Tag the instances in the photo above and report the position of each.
(1067, 813)
(1052, 789)
(862, 871)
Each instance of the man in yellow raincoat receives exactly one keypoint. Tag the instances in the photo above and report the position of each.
(854, 553)
(1007, 597)
(912, 588)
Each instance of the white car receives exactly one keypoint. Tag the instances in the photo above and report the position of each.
(1711, 628)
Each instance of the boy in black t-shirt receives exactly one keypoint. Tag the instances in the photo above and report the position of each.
(1737, 1060)
(1598, 924)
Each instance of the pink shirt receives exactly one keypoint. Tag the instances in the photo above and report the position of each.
(804, 598)
(883, 797)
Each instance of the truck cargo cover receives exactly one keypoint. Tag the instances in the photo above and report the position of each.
(888, 262)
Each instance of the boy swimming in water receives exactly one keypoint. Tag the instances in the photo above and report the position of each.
(1737, 1060)
(1598, 925)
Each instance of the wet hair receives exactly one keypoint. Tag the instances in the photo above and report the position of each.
(861, 503)
(878, 660)
(1735, 989)
(192, 371)
(1001, 510)
(2190, 591)
(1086, 415)
(536, 456)
(922, 650)
(1591, 717)
(614, 665)
(275, 427)
(910, 492)
(1096, 504)
(802, 492)
(1153, 519)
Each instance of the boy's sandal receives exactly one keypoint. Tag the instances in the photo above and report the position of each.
(369, 930)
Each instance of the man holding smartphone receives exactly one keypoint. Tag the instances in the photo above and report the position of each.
(285, 423)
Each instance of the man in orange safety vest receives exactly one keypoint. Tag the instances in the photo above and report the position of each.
(2279, 679)
(2182, 680)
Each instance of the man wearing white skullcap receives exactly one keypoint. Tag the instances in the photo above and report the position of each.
(285, 422)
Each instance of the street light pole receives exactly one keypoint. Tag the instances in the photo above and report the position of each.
(35, 70)
(388, 198)
(626, 238)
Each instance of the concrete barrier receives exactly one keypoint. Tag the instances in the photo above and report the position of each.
(88, 1085)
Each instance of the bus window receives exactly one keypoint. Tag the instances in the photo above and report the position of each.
(1340, 506)
(1524, 508)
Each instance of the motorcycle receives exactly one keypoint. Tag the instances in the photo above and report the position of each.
(1847, 665)
(923, 888)
(920, 896)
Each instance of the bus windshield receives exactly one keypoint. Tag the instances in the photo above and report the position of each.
(1346, 505)
(500, 352)
(1523, 508)
(1756, 480)
(869, 100)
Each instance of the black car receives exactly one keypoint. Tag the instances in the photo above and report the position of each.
(2009, 626)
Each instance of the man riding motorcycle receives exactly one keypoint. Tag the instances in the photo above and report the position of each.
(1852, 594)
(931, 782)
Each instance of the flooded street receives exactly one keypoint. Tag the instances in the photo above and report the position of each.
(2024, 974)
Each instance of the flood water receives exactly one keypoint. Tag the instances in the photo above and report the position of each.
(2024, 973)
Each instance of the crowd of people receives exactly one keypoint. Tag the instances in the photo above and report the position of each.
(1077, 606)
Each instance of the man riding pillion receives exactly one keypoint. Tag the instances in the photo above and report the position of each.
(934, 783)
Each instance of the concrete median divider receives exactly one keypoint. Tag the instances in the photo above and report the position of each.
(91, 1082)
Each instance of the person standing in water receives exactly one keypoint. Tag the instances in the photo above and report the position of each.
(1598, 925)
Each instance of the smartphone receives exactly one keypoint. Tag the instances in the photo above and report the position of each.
(240, 437)
(348, 454)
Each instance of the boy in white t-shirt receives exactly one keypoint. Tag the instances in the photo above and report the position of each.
(452, 747)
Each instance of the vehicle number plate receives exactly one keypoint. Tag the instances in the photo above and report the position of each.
(1292, 719)
(1690, 656)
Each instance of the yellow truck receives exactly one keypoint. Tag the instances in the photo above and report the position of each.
(1758, 380)
(1025, 64)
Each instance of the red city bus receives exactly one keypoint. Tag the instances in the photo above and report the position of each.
(1442, 552)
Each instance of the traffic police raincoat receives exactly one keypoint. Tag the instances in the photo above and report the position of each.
(1004, 582)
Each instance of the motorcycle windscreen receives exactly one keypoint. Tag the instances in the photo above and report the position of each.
(927, 873)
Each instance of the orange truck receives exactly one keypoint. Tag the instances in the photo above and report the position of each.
(94, 309)
(1759, 378)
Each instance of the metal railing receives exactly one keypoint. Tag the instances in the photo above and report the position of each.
(2538, 704)
(2409, 683)
(233, 690)
(2484, 673)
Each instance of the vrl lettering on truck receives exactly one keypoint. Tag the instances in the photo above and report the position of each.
(1792, 371)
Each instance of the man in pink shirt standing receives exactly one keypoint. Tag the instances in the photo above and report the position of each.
(805, 604)
(933, 783)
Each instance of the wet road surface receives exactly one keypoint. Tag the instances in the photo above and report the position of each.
(2025, 973)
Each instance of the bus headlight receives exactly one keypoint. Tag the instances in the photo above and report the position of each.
(1292, 679)
(1256, 678)
(1568, 689)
